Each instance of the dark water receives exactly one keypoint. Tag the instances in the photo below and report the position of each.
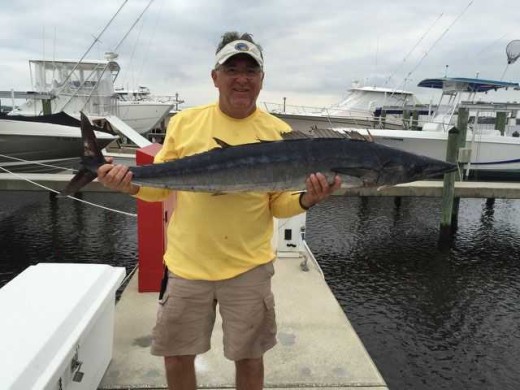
(35, 229)
(430, 318)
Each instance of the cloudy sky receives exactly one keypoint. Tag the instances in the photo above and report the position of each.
(314, 50)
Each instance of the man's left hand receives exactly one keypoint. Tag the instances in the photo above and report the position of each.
(318, 189)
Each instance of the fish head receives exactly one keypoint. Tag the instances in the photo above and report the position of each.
(407, 170)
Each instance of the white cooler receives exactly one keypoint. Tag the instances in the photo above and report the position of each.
(57, 326)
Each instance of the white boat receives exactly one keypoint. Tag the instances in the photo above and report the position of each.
(88, 86)
(44, 143)
(135, 104)
(489, 153)
(356, 110)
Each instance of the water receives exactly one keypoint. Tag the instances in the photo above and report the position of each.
(430, 318)
(35, 229)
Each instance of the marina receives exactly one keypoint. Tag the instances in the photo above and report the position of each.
(428, 318)
(382, 286)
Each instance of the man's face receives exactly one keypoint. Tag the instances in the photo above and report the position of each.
(239, 81)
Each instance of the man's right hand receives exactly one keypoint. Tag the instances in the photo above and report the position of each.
(116, 177)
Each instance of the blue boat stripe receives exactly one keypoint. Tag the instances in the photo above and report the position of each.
(496, 162)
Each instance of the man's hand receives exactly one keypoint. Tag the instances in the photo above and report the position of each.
(318, 189)
(116, 177)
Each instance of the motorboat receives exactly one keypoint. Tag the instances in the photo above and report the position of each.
(356, 110)
(88, 86)
(492, 149)
(43, 143)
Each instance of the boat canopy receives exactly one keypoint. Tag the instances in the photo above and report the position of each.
(462, 84)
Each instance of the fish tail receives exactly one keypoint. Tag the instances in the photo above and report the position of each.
(91, 159)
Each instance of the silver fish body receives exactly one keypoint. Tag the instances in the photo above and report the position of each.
(284, 165)
(272, 165)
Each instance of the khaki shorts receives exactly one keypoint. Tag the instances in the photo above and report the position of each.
(186, 315)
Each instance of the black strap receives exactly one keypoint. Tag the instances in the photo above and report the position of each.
(164, 283)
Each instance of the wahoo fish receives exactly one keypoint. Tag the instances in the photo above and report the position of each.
(267, 166)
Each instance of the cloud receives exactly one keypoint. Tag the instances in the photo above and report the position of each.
(314, 49)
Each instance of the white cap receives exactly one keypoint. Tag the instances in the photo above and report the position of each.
(239, 47)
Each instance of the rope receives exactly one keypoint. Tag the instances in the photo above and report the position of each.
(68, 196)
(36, 163)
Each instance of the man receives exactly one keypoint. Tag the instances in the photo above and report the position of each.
(219, 247)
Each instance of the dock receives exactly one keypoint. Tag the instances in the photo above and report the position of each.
(434, 188)
(317, 346)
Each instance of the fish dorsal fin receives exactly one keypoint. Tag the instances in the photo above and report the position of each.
(324, 133)
(221, 143)
(295, 134)
(265, 141)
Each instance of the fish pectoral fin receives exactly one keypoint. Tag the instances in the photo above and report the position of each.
(221, 143)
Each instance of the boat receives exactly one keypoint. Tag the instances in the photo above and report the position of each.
(88, 86)
(142, 98)
(43, 143)
(356, 110)
(492, 150)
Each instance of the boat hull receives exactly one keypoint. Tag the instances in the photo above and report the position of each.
(142, 116)
(493, 157)
(36, 142)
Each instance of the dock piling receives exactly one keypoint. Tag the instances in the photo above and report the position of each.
(450, 204)
(447, 203)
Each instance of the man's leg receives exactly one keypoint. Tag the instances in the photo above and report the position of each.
(180, 372)
(250, 374)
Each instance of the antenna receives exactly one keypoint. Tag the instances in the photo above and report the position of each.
(413, 48)
(96, 39)
(438, 39)
(133, 25)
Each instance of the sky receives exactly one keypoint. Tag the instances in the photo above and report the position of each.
(314, 50)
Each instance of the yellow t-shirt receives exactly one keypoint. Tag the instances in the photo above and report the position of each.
(218, 237)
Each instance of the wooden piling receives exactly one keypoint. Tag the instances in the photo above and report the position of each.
(46, 107)
(500, 123)
(415, 120)
(462, 125)
(450, 204)
(382, 118)
(449, 188)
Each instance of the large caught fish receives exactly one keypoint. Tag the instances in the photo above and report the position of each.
(272, 165)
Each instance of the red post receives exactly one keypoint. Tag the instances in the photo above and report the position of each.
(152, 220)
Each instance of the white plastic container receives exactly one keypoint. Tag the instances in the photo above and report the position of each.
(288, 236)
(57, 326)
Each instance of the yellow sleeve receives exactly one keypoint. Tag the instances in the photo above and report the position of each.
(285, 204)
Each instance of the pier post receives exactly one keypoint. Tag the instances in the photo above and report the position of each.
(500, 123)
(406, 118)
(462, 125)
(46, 106)
(448, 192)
(415, 120)
(450, 204)
(382, 118)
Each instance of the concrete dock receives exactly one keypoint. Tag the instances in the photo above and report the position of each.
(317, 346)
